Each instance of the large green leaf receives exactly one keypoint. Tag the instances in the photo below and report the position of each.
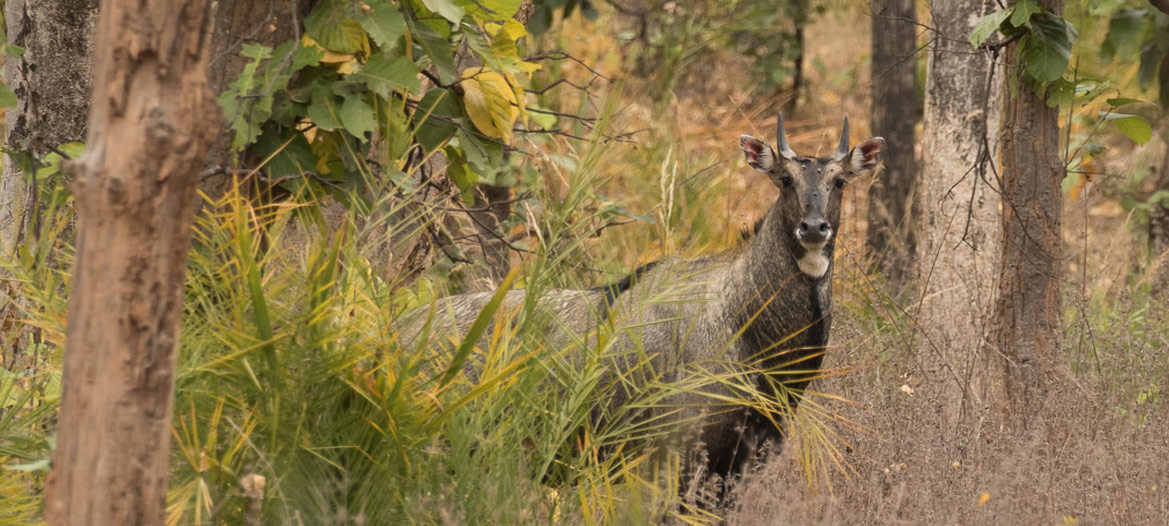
(1126, 32)
(439, 50)
(383, 75)
(1021, 12)
(384, 23)
(446, 9)
(987, 26)
(357, 116)
(434, 119)
(288, 151)
(1134, 127)
(324, 109)
(484, 155)
(1047, 48)
(330, 25)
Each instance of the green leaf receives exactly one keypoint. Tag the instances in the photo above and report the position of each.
(484, 155)
(1022, 11)
(1047, 48)
(51, 164)
(1062, 92)
(330, 26)
(383, 75)
(446, 9)
(244, 109)
(288, 152)
(431, 120)
(324, 110)
(248, 101)
(987, 26)
(439, 50)
(1134, 127)
(384, 23)
(541, 20)
(460, 173)
(7, 97)
(302, 58)
(1122, 101)
(1126, 32)
(357, 116)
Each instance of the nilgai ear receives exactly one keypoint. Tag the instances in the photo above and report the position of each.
(759, 155)
(863, 158)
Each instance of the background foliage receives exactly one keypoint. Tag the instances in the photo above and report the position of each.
(296, 401)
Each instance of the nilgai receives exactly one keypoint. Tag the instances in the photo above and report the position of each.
(760, 316)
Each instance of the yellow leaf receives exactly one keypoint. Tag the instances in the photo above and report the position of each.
(983, 498)
(514, 29)
(491, 102)
(347, 67)
(528, 67)
(346, 60)
(309, 129)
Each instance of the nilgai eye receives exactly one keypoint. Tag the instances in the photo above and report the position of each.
(840, 183)
(786, 180)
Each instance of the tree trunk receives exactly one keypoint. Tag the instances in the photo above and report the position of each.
(1158, 238)
(895, 112)
(957, 260)
(237, 23)
(52, 83)
(1028, 311)
(149, 129)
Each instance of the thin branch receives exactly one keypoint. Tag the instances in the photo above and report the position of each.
(561, 55)
(558, 82)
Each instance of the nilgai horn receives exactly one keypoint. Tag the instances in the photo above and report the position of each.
(764, 312)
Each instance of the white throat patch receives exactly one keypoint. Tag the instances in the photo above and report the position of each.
(814, 263)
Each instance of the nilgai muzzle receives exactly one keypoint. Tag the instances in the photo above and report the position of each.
(761, 315)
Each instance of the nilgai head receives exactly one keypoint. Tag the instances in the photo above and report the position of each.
(808, 207)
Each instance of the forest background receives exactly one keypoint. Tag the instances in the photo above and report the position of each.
(999, 339)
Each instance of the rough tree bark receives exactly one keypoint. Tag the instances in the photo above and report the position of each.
(52, 83)
(895, 112)
(957, 259)
(1027, 314)
(151, 123)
